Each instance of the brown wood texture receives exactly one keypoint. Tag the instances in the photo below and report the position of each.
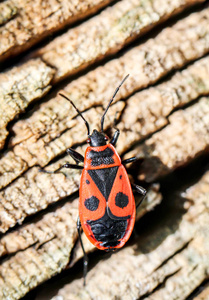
(107, 33)
(162, 111)
(24, 24)
(185, 137)
(19, 88)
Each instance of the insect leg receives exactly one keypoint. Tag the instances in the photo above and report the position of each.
(129, 160)
(141, 191)
(75, 155)
(85, 257)
(115, 137)
(66, 165)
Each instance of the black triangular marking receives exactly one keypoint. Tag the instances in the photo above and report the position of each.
(103, 174)
(104, 179)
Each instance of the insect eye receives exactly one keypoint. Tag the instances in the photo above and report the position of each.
(88, 140)
(106, 137)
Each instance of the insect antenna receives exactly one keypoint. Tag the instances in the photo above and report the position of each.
(111, 100)
(86, 123)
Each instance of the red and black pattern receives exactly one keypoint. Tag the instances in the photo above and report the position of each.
(107, 206)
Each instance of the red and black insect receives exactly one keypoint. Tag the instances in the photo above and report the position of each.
(106, 202)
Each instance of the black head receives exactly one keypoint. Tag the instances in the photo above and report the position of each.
(97, 139)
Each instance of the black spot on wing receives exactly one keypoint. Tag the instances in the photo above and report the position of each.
(104, 179)
(121, 200)
(92, 203)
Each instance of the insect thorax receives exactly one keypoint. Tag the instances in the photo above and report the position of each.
(101, 157)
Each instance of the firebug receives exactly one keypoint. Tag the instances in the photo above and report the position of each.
(106, 203)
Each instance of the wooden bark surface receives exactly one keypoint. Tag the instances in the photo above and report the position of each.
(24, 24)
(162, 111)
(18, 88)
(107, 33)
(186, 137)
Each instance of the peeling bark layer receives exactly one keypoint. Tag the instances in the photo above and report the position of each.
(107, 33)
(186, 137)
(19, 87)
(26, 24)
(148, 110)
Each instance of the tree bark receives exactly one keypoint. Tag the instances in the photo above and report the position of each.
(25, 25)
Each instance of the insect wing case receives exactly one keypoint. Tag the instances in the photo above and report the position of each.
(106, 199)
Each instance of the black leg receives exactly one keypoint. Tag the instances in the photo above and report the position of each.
(129, 160)
(67, 165)
(85, 257)
(141, 191)
(115, 137)
(75, 155)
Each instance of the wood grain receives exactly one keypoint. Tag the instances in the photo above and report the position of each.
(25, 25)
